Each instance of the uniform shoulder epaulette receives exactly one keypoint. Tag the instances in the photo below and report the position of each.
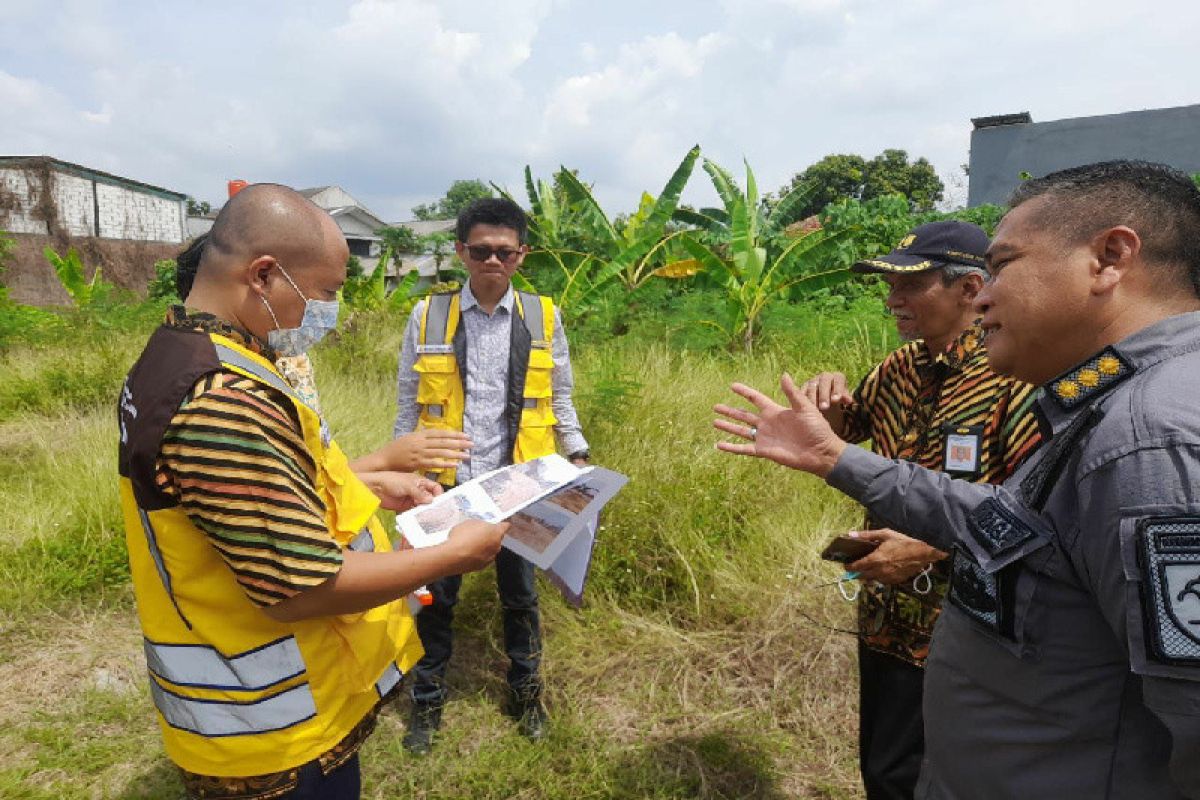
(1090, 379)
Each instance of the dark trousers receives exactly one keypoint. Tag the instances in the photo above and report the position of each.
(891, 734)
(522, 631)
(344, 783)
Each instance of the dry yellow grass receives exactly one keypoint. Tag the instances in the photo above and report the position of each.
(699, 667)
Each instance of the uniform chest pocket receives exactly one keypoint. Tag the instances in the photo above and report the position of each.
(996, 572)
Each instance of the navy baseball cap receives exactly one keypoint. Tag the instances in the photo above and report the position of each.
(932, 246)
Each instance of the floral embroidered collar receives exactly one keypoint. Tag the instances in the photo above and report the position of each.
(181, 318)
(967, 346)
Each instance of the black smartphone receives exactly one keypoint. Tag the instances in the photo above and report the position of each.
(845, 549)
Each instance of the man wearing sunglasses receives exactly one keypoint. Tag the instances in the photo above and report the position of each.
(491, 362)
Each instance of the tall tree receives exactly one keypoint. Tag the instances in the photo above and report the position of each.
(197, 208)
(890, 172)
(840, 176)
(400, 239)
(832, 178)
(457, 197)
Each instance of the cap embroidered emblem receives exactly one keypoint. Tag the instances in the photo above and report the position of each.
(906, 242)
(1091, 378)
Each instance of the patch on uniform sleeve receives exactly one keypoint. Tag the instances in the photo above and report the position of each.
(1169, 554)
(996, 529)
(973, 590)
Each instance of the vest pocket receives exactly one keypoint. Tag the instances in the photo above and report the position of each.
(538, 376)
(535, 437)
(438, 381)
(538, 391)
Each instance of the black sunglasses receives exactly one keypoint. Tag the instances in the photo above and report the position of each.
(481, 253)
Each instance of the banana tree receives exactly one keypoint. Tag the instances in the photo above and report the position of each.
(70, 271)
(745, 243)
(570, 232)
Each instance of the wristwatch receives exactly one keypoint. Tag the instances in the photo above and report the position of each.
(580, 455)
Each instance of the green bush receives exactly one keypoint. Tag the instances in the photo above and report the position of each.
(163, 286)
(21, 323)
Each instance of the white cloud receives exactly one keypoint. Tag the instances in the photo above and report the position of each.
(641, 100)
(101, 117)
(395, 99)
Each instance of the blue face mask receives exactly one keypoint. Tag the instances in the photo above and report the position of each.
(320, 317)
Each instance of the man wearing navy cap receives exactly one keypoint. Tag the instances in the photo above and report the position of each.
(936, 403)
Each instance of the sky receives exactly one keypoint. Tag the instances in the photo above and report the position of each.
(395, 99)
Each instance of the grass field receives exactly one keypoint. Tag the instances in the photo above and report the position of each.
(700, 666)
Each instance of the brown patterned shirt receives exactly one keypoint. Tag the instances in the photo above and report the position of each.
(909, 406)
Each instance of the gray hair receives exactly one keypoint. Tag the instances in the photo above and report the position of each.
(952, 272)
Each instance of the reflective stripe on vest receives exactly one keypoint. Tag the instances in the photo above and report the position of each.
(201, 666)
(159, 564)
(530, 306)
(437, 318)
(228, 355)
(215, 718)
(363, 543)
(388, 680)
(233, 358)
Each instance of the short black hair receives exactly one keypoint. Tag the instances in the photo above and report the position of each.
(186, 264)
(498, 211)
(1160, 203)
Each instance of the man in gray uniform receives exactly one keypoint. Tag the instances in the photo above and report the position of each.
(1067, 661)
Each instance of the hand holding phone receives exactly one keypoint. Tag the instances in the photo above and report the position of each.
(847, 549)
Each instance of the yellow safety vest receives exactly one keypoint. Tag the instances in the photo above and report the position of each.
(239, 694)
(440, 388)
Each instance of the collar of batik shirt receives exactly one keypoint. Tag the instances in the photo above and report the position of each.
(965, 348)
(202, 322)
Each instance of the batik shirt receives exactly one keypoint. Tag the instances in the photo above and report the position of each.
(917, 406)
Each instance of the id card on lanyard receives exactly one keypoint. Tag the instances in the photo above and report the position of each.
(963, 446)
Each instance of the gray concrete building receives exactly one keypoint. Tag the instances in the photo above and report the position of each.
(1004, 146)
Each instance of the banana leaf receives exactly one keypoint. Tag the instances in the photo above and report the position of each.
(725, 185)
(589, 210)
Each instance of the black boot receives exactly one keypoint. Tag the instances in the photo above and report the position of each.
(532, 718)
(424, 720)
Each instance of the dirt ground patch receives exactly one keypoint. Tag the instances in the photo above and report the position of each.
(128, 264)
(49, 662)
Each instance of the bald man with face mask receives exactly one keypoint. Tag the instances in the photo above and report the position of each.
(271, 601)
